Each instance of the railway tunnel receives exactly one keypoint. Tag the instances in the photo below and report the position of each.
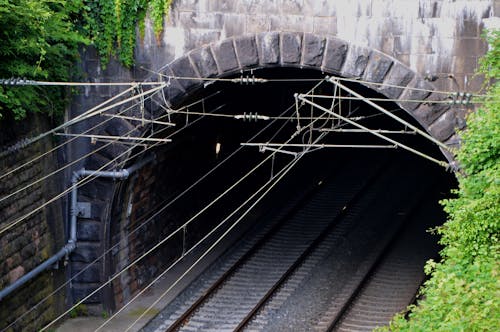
(339, 215)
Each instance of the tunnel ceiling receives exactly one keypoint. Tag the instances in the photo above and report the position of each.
(252, 102)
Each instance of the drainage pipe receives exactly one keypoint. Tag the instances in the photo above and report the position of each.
(71, 244)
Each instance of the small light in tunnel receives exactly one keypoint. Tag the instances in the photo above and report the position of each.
(217, 149)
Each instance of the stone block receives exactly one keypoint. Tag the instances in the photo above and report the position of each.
(291, 47)
(174, 93)
(114, 149)
(257, 6)
(356, 61)
(314, 47)
(269, 47)
(415, 94)
(246, 51)
(80, 291)
(222, 5)
(85, 252)
(225, 57)
(335, 53)
(257, 23)
(184, 71)
(292, 23)
(84, 273)
(325, 25)
(429, 111)
(444, 127)
(377, 68)
(200, 20)
(204, 62)
(88, 230)
(399, 76)
(234, 25)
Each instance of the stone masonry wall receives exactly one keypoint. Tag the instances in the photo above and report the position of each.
(430, 44)
(34, 239)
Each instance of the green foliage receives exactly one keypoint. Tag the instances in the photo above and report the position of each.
(39, 41)
(111, 25)
(463, 293)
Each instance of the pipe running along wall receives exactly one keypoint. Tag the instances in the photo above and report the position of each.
(70, 246)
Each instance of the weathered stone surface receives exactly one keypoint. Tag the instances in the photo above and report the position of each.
(377, 68)
(314, 47)
(269, 48)
(15, 274)
(118, 127)
(356, 61)
(225, 57)
(182, 69)
(415, 94)
(81, 291)
(444, 126)
(291, 47)
(85, 273)
(174, 92)
(399, 75)
(246, 50)
(429, 111)
(85, 252)
(88, 230)
(204, 62)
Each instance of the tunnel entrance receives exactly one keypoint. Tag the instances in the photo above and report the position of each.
(206, 180)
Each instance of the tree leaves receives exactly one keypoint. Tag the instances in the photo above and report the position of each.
(39, 41)
(463, 293)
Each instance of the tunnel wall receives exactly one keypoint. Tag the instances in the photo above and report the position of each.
(429, 44)
(35, 238)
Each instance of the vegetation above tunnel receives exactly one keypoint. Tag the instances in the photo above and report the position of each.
(463, 291)
(41, 38)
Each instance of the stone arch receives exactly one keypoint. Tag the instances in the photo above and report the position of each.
(328, 54)
(231, 56)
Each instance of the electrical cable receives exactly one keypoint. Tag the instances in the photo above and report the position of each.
(209, 234)
(215, 79)
(80, 158)
(295, 160)
(163, 240)
(285, 170)
(92, 112)
(154, 215)
(66, 191)
(74, 138)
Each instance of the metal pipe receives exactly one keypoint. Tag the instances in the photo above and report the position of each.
(71, 244)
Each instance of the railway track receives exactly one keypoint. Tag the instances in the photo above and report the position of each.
(295, 276)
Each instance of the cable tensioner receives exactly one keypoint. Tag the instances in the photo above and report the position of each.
(251, 116)
(248, 80)
(460, 98)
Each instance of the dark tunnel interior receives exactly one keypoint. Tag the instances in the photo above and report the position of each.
(157, 203)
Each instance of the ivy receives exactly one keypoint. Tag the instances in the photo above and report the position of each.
(463, 293)
(40, 42)
(111, 25)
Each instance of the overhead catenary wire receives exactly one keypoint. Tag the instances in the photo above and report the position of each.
(140, 226)
(278, 178)
(292, 162)
(76, 136)
(92, 112)
(66, 191)
(365, 82)
(157, 212)
(179, 229)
